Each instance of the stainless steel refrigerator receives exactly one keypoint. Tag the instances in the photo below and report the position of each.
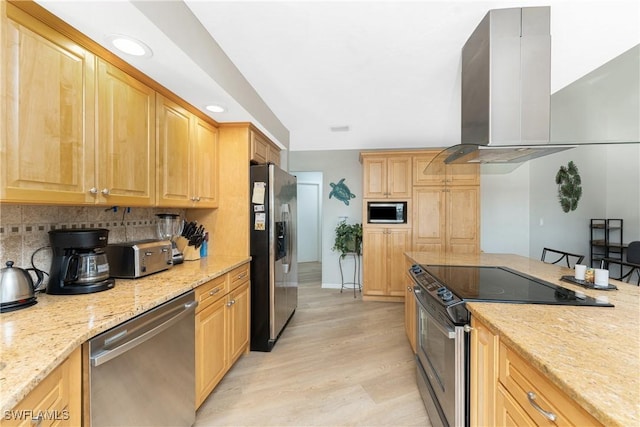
(274, 268)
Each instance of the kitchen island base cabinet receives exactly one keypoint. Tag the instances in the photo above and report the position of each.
(508, 390)
(410, 320)
(222, 328)
(56, 400)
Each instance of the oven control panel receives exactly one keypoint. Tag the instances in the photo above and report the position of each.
(432, 286)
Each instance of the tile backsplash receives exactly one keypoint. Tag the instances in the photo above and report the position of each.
(24, 228)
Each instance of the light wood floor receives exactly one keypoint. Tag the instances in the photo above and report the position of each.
(339, 362)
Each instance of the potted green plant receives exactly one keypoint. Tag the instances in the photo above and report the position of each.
(348, 238)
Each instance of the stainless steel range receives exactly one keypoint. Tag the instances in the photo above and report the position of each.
(443, 350)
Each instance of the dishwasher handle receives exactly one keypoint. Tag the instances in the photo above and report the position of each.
(107, 355)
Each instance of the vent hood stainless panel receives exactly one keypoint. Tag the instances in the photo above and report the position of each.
(506, 79)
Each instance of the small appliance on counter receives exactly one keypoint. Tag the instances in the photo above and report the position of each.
(16, 287)
(131, 260)
(79, 264)
(170, 227)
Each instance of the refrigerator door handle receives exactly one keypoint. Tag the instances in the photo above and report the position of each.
(286, 263)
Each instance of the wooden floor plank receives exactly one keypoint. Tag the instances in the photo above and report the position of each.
(339, 362)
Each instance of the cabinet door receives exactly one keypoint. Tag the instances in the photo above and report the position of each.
(374, 259)
(429, 228)
(47, 144)
(463, 174)
(259, 148)
(126, 139)
(463, 220)
(484, 374)
(509, 412)
(174, 163)
(57, 396)
(238, 308)
(274, 155)
(211, 348)
(399, 177)
(425, 172)
(205, 165)
(375, 177)
(398, 242)
(410, 311)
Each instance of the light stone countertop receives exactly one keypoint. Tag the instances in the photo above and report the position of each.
(36, 339)
(591, 353)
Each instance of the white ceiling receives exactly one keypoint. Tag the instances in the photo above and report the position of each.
(390, 70)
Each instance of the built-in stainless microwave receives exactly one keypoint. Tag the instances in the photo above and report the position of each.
(387, 212)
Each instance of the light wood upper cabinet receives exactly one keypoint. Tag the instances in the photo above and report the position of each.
(57, 399)
(187, 158)
(384, 262)
(262, 150)
(386, 176)
(126, 150)
(47, 142)
(205, 165)
(429, 169)
(446, 219)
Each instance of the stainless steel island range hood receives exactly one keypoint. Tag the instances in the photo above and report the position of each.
(506, 75)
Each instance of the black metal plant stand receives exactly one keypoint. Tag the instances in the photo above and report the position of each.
(356, 284)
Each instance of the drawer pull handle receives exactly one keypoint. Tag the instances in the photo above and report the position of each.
(215, 291)
(532, 399)
(240, 276)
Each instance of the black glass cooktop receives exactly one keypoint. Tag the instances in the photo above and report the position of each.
(501, 284)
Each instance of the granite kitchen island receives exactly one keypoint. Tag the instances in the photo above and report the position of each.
(592, 354)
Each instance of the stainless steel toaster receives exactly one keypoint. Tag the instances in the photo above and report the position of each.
(130, 260)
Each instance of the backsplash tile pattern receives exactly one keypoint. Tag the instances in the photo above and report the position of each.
(24, 228)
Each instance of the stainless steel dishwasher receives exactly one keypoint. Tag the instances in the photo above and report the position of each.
(142, 372)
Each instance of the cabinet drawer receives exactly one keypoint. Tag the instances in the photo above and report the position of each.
(238, 276)
(519, 378)
(211, 291)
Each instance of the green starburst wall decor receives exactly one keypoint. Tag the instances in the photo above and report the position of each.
(569, 187)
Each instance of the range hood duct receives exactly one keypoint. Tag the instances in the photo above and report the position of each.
(506, 80)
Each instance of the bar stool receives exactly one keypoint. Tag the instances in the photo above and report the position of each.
(356, 284)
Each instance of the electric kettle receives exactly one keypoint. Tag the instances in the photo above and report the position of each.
(16, 287)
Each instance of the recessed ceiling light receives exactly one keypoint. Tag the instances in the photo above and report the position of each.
(129, 45)
(216, 108)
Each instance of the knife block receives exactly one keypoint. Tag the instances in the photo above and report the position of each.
(191, 253)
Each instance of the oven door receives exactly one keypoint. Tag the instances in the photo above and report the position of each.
(441, 356)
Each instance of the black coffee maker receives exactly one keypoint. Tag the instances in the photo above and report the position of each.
(79, 264)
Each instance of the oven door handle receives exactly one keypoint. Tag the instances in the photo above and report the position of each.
(447, 332)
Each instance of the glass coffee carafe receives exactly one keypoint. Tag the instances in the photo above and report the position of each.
(169, 228)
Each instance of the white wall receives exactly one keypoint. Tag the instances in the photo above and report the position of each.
(521, 212)
(334, 166)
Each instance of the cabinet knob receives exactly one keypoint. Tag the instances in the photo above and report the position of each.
(105, 191)
(195, 199)
(93, 190)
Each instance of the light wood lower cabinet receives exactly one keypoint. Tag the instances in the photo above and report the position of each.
(383, 261)
(222, 328)
(410, 320)
(484, 374)
(507, 390)
(56, 400)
